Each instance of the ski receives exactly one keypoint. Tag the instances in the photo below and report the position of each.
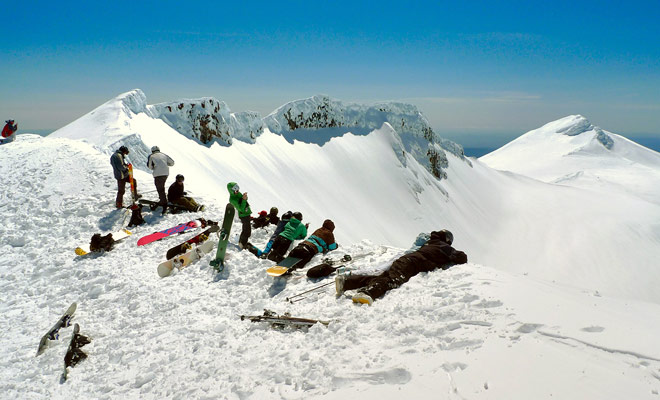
(53, 333)
(283, 321)
(116, 236)
(181, 261)
(172, 231)
(283, 267)
(187, 245)
(134, 195)
(218, 263)
(153, 205)
(74, 354)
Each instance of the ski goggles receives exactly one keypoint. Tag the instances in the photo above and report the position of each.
(236, 188)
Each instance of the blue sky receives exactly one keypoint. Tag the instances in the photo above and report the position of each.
(475, 69)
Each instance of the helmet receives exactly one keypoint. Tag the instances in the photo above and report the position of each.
(123, 149)
(154, 149)
(445, 236)
(180, 178)
(297, 215)
(274, 210)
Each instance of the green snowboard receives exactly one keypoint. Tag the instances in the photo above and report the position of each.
(219, 262)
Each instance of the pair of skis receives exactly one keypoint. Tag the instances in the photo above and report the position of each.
(74, 354)
(283, 321)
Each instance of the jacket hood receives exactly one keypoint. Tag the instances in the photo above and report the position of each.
(329, 225)
(230, 186)
(294, 222)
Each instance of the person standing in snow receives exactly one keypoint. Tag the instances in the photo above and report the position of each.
(160, 164)
(321, 241)
(8, 131)
(177, 195)
(240, 203)
(294, 230)
(435, 253)
(120, 170)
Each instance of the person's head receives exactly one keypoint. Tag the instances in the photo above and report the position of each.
(155, 149)
(273, 211)
(123, 150)
(236, 188)
(297, 215)
(329, 225)
(443, 235)
(287, 216)
(263, 213)
(10, 121)
(179, 179)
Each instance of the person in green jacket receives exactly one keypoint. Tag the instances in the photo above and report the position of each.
(240, 203)
(294, 230)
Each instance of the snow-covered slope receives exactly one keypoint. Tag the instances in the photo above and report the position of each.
(571, 151)
(472, 331)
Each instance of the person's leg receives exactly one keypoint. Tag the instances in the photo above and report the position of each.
(159, 181)
(247, 231)
(399, 273)
(304, 253)
(121, 189)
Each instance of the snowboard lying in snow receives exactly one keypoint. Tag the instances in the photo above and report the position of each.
(283, 321)
(187, 245)
(173, 231)
(54, 332)
(283, 266)
(116, 236)
(181, 261)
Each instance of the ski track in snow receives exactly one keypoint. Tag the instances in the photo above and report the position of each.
(180, 337)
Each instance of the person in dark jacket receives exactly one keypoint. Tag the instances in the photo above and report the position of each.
(321, 241)
(120, 170)
(435, 253)
(264, 219)
(293, 230)
(240, 203)
(8, 132)
(177, 195)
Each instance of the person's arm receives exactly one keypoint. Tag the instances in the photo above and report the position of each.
(170, 162)
(150, 164)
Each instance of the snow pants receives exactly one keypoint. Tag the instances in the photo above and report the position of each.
(159, 181)
(121, 189)
(377, 285)
(278, 250)
(187, 202)
(304, 252)
(247, 231)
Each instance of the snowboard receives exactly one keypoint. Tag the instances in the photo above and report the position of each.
(116, 236)
(283, 266)
(218, 263)
(153, 205)
(74, 354)
(283, 321)
(134, 195)
(53, 333)
(165, 268)
(187, 245)
(171, 231)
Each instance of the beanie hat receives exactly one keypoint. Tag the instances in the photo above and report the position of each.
(329, 225)
(154, 149)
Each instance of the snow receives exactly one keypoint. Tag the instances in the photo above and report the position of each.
(559, 298)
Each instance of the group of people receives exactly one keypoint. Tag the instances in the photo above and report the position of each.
(8, 132)
(434, 252)
(159, 163)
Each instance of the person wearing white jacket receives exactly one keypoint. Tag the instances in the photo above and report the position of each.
(160, 164)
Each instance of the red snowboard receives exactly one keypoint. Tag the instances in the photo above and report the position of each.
(171, 231)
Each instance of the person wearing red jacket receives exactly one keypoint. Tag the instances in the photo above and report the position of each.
(8, 131)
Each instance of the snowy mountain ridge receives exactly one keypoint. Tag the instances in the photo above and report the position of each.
(314, 120)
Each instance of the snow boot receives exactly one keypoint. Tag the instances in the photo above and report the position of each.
(362, 298)
(119, 205)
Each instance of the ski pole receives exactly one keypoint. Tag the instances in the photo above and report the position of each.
(307, 291)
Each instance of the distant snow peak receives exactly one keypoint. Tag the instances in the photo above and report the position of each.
(581, 125)
(319, 118)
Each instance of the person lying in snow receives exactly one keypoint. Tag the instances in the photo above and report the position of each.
(321, 241)
(264, 219)
(294, 230)
(177, 195)
(435, 253)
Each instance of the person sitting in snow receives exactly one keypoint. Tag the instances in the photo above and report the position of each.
(177, 195)
(160, 164)
(294, 230)
(240, 203)
(8, 131)
(321, 241)
(264, 219)
(435, 253)
(120, 170)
